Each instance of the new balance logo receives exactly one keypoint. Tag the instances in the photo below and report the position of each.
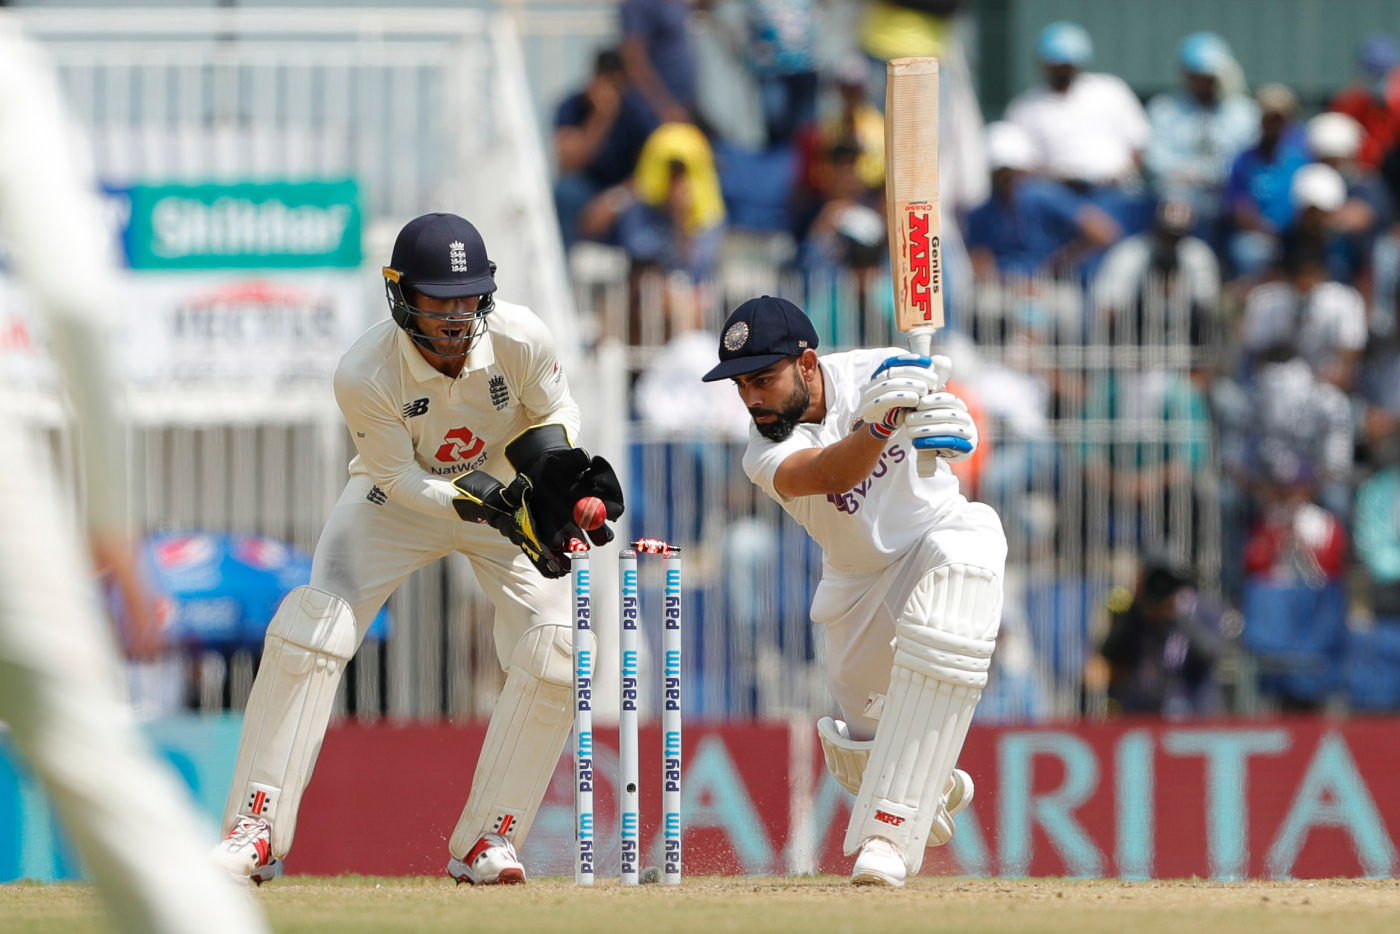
(376, 496)
(500, 393)
(415, 408)
(888, 819)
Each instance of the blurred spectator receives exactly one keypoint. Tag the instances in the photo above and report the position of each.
(1030, 226)
(659, 55)
(849, 231)
(782, 52)
(1198, 131)
(599, 133)
(1165, 266)
(1258, 192)
(1300, 427)
(671, 400)
(1088, 130)
(1294, 603)
(857, 124)
(1319, 193)
(1161, 647)
(1334, 140)
(677, 222)
(1377, 524)
(1325, 321)
(1377, 58)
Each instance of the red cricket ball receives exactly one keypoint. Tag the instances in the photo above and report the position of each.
(589, 513)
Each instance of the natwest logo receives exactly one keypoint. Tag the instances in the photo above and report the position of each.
(459, 445)
(888, 818)
(922, 253)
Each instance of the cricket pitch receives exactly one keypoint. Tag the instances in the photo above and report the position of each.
(717, 905)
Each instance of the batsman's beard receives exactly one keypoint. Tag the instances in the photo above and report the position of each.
(787, 415)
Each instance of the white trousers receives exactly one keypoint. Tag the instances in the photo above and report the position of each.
(369, 547)
(60, 692)
(859, 613)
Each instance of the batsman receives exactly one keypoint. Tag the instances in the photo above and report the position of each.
(463, 424)
(910, 592)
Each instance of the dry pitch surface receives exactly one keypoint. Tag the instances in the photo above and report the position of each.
(359, 905)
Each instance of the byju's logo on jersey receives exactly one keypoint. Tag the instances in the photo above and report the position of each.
(459, 444)
(500, 393)
(457, 253)
(415, 408)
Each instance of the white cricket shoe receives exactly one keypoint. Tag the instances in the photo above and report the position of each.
(491, 862)
(246, 853)
(879, 863)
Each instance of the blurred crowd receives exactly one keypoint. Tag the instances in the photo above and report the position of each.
(1276, 233)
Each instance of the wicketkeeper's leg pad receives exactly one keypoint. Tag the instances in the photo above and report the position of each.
(943, 650)
(528, 730)
(309, 642)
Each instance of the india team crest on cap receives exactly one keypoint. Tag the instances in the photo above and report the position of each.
(736, 335)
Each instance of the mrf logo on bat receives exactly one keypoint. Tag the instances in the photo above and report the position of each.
(921, 257)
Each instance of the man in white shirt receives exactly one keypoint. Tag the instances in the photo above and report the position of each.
(61, 678)
(911, 571)
(1089, 128)
(456, 390)
(1324, 321)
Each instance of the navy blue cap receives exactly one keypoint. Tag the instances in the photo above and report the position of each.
(759, 333)
(443, 256)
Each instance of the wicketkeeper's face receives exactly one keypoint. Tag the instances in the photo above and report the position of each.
(448, 323)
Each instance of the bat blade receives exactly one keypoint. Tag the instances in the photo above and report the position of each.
(911, 193)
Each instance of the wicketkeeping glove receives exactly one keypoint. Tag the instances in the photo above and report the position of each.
(942, 424)
(483, 498)
(896, 387)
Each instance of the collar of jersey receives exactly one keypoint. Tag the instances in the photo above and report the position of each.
(482, 355)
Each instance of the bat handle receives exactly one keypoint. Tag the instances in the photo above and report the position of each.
(921, 342)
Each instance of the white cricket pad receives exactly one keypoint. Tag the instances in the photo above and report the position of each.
(308, 644)
(845, 757)
(943, 650)
(528, 730)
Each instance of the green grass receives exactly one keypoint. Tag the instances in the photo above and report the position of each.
(360, 905)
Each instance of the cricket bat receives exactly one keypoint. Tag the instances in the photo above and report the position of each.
(911, 201)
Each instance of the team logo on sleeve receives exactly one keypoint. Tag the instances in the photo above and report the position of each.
(415, 408)
(737, 334)
(459, 444)
(500, 392)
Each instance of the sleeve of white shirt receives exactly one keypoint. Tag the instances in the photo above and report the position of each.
(1347, 310)
(1022, 111)
(763, 458)
(544, 389)
(386, 448)
(1136, 130)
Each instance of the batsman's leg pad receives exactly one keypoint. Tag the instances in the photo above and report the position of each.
(308, 644)
(943, 650)
(528, 730)
(845, 757)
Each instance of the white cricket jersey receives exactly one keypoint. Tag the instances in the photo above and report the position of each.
(416, 430)
(866, 529)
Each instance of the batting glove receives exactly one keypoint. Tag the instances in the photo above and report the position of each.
(942, 424)
(896, 387)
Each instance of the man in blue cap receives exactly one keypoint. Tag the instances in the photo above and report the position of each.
(911, 571)
(455, 390)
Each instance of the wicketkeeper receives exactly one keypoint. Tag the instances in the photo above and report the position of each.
(464, 424)
(911, 571)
